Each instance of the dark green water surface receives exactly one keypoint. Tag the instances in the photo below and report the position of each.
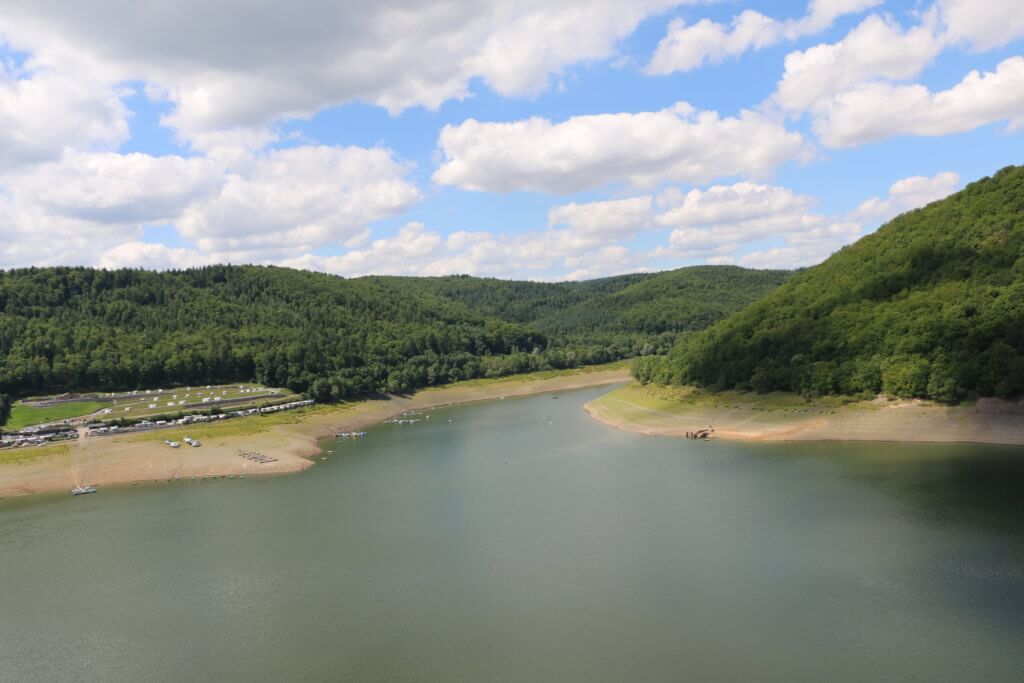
(522, 541)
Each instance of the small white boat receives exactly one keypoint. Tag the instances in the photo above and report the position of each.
(79, 490)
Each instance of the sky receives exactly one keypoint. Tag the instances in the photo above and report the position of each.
(509, 138)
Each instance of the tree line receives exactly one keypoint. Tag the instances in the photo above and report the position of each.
(75, 329)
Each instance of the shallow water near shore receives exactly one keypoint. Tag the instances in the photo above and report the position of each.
(518, 539)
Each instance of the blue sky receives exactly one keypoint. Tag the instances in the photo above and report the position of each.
(343, 139)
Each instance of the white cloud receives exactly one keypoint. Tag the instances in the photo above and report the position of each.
(411, 252)
(72, 210)
(880, 110)
(415, 250)
(807, 237)
(151, 257)
(745, 223)
(618, 218)
(291, 200)
(786, 257)
(687, 47)
(734, 204)
(225, 69)
(907, 194)
(983, 25)
(34, 237)
(42, 112)
(877, 48)
(643, 149)
(116, 188)
(718, 223)
(280, 204)
(606, 261)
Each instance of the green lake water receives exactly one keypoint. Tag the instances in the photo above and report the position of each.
(519, 540)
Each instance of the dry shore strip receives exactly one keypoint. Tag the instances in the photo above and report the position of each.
(139, 458)
(651, 411)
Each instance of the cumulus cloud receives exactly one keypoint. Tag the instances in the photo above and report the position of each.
(876, 111)
(856, 89)
(229, 70)
(151, 256)
(42, 112)
(643, 149)
(811, 238)
(733, 204)
(686, 47)
(70, 211)
(721, 219)
(983, 25)
(291, 200)
(278, 204)
(34, 237)
(877, 48)
(745, 223)
(618, 218)
(117, 188)
(907, 194)
(785, 257)
(551, 254)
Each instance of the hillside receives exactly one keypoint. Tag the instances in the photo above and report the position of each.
(685, 299)
(931, 305)
(79, 328)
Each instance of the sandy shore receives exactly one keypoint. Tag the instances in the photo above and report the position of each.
(291, 438)
(646, 411)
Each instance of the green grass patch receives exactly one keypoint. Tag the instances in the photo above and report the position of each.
(747, 400)
(162, 411)
(14, 456)
(667, 398)
(24, 415)
(236, 426)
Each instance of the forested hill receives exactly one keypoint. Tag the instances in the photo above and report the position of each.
(686, 299)
(931, 305)
(78, 328)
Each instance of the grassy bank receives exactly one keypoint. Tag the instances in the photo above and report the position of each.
(673, 411)
(24, 415)
(15, 456)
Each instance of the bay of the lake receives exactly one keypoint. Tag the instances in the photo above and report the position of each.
(519, 540)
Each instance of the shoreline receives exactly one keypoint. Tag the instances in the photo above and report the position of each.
(745, 417)
(293, 439)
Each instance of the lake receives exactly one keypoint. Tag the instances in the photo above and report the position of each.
(519, 540)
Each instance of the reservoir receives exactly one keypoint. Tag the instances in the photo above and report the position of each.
(519, 540)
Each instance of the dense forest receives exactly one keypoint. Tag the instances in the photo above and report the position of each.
(332, 337)
(931, 305)
(687, 299)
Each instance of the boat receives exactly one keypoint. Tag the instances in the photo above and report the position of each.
(79, 490)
